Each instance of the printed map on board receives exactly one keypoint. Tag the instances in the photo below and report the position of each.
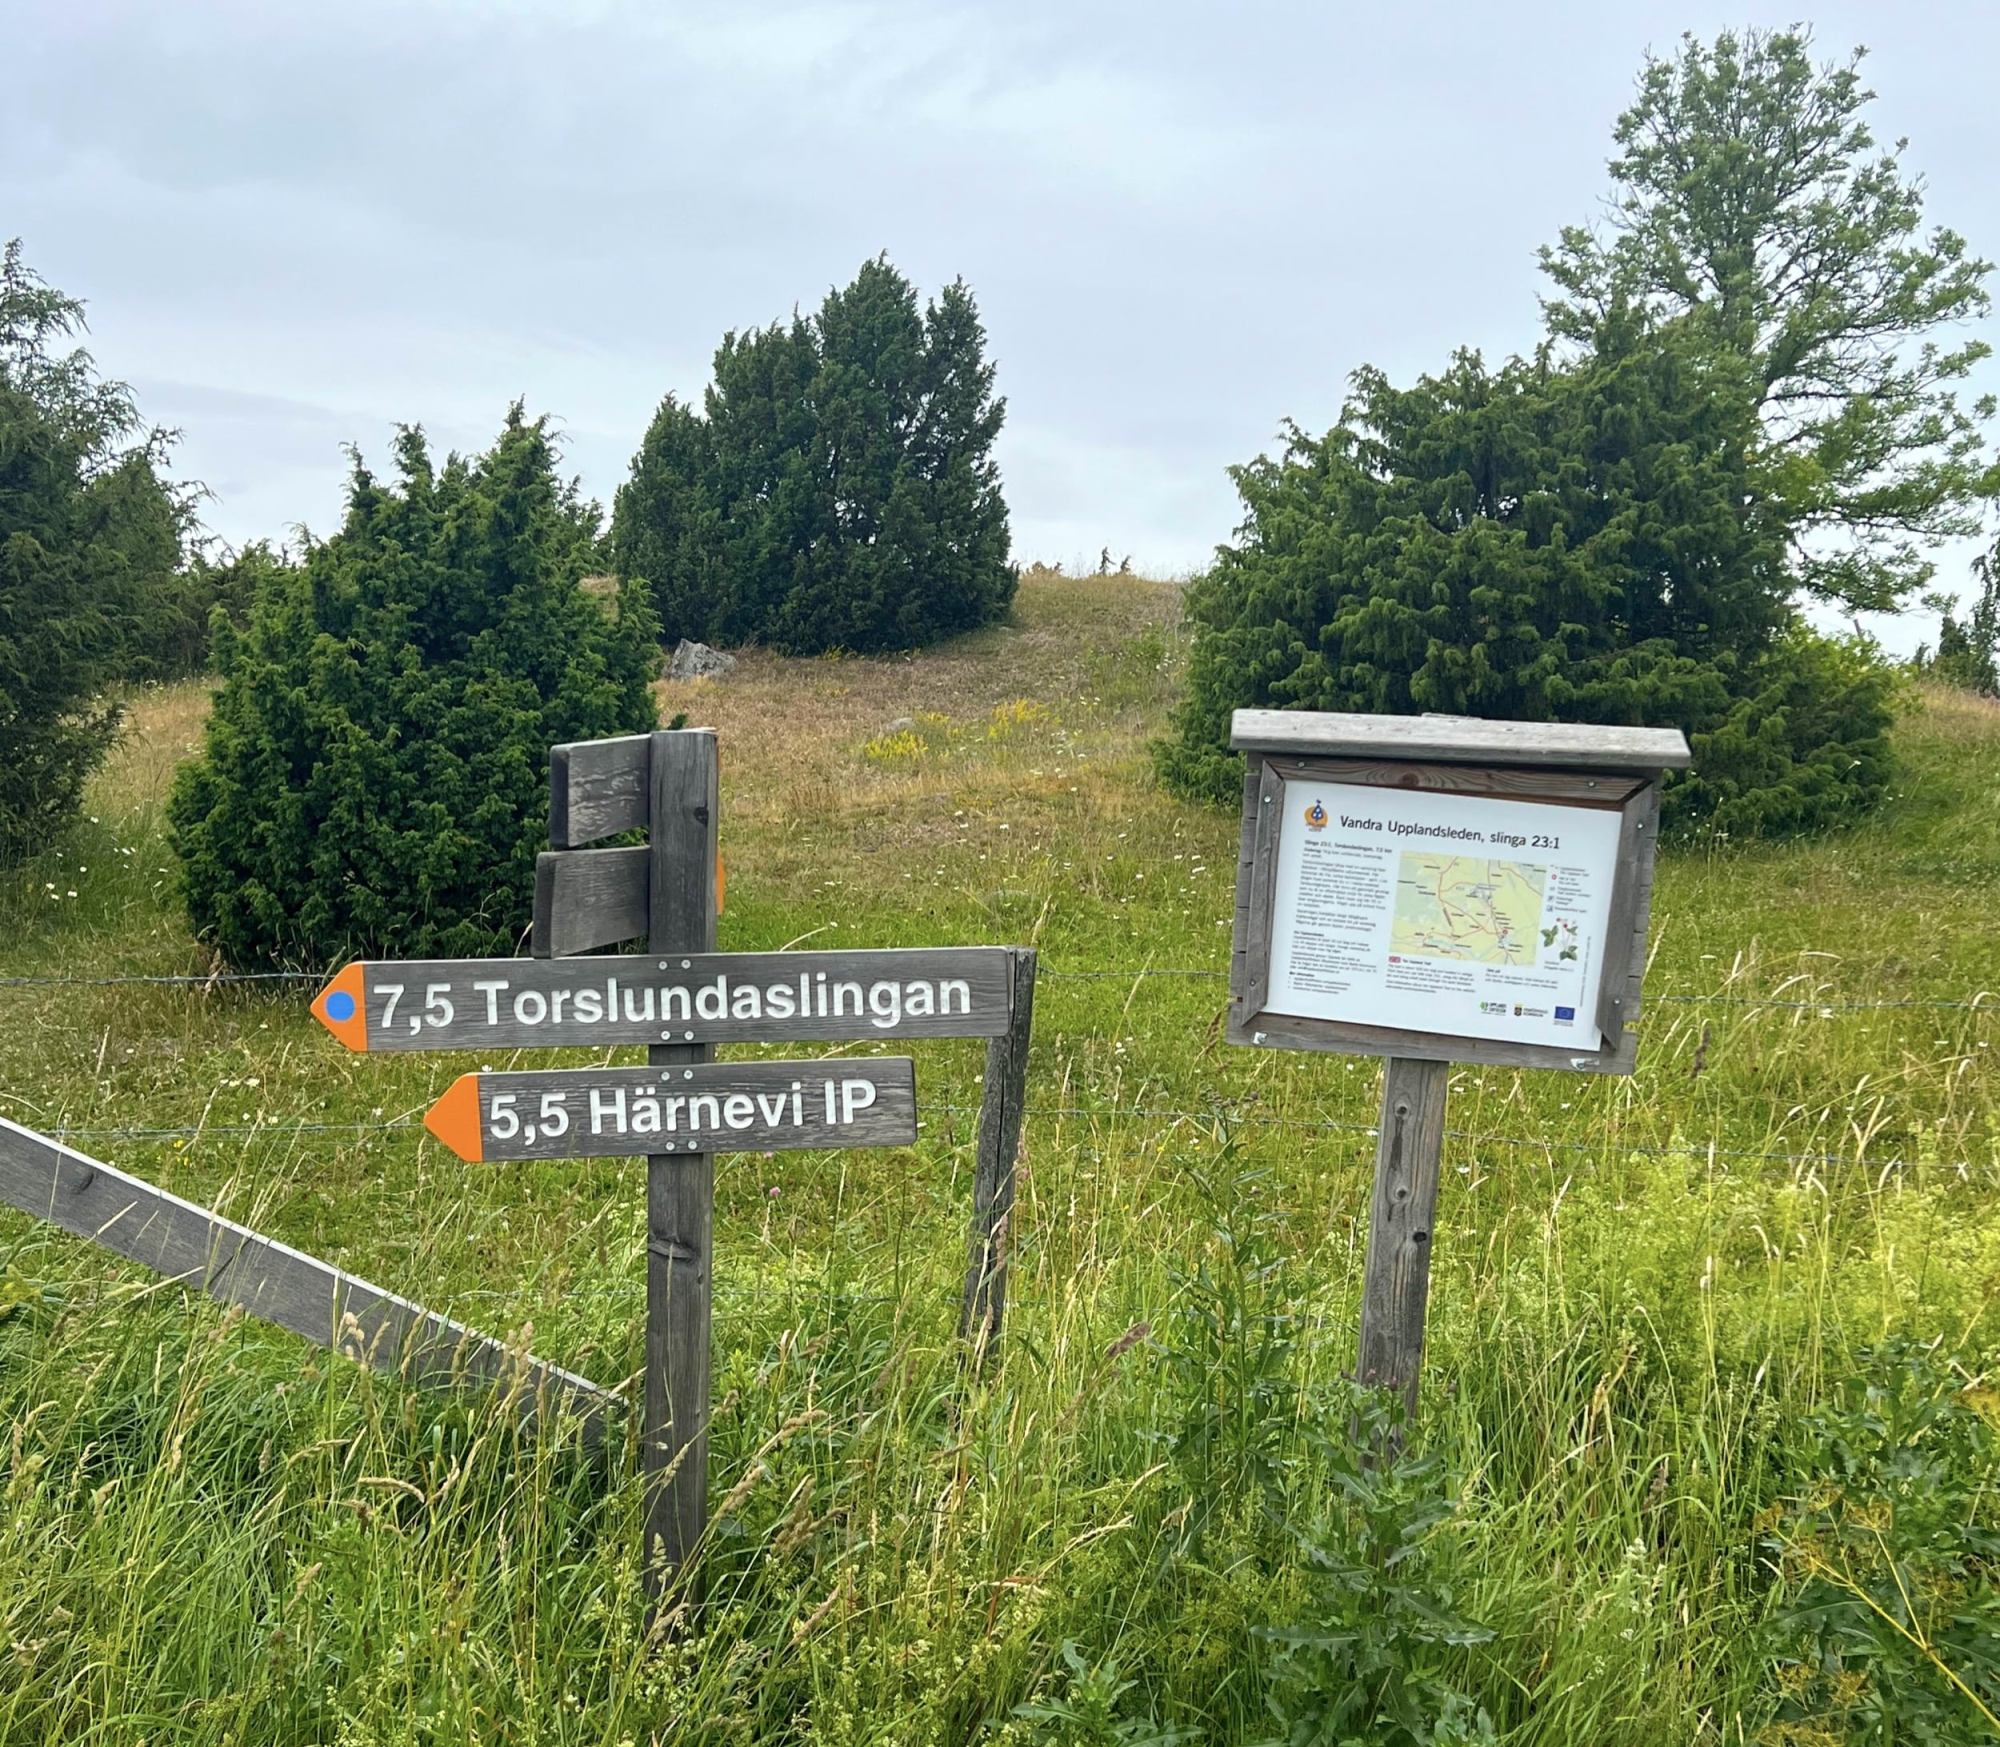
(1466, 907)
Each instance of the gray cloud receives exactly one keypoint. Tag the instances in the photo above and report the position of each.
(300, 225)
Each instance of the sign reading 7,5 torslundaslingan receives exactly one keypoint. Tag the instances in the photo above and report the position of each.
(631, 998)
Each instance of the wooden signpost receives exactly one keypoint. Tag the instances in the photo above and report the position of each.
(1439, 889)
(680, 998)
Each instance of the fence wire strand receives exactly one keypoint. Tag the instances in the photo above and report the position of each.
(1984, 1001)
(1219, 1117)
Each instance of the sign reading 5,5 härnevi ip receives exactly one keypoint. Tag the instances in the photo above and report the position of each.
(709, 1108)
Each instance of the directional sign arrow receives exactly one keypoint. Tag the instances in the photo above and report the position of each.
(716, 1107)
(650, 998)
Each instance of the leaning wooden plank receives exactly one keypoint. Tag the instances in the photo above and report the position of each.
(597, 789)
(587, 898)
(1458, 739)
(235, 1265)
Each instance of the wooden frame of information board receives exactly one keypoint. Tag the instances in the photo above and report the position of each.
(1609, 769)
(1439, 766)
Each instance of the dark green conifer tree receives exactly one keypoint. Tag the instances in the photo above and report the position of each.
(375, 774)
(1544, 542)
(841, 491)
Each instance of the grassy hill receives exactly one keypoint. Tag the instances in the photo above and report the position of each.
(1643, 1293)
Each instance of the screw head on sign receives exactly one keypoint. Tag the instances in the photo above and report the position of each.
(663, 964)
(687, 964)
(687, 1073)
(689, 1035)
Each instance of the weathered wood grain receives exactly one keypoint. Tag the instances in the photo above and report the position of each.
(717, 997)
(1240, 954)
(597, 789)
(1395, 1285)
(205, 1252)
(1607, 790)
(984, 1303)
(683, 818)
(1267, 830)
(1614, 986)
(1288, 1031)
(1458, 740)
(587, 898)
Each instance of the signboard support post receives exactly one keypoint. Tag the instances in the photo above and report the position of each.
(1000, 1111)
(1439, 889)
(1396, 1280)
(680, 1188)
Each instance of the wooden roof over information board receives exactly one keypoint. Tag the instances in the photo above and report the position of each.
(1457, 740)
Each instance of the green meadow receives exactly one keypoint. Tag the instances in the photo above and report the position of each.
(1705, 1451)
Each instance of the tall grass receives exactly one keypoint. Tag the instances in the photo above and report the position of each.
(1145, 1521)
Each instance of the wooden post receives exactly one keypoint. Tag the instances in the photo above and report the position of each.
(680, 1188)
(1401, 1225)
(1005, 1090)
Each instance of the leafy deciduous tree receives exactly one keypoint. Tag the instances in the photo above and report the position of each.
(1752, 198)
(90, 532)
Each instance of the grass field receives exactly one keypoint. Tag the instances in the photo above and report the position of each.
(1145, 1522)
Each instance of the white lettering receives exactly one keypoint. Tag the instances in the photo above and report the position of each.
(719, 989)
(739, 1110)
(771, 1106)
(955, 986)
(645, 1113)
(917, 1001)
(492, 991)
(885, 1005)
(855, 1096)
(779, 1001)
(531, 1007)
(589, 1007)
(607, 1104)
(747, 1003)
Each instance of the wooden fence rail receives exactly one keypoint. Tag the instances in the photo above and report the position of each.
(197, 1248)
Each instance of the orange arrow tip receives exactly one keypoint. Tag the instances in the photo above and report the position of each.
(454, 1119)
(342, 1007)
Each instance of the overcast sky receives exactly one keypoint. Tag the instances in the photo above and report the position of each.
(298, 224)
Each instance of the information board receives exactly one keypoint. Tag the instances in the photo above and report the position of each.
(1472, 915)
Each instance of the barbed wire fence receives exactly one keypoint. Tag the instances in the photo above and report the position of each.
(1981, 1001)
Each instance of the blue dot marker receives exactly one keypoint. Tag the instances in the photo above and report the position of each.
(340, 1005)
